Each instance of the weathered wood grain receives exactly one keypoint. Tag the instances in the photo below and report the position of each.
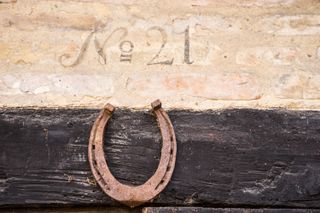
(73, 210)
(158, 210)
(225, 158)
(223, 210)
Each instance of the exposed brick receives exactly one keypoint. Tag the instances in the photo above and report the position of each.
(290, 25)
(312, 90)
(8, 1)
(220, 86)
(267, 55)
(69, 85)
(298, 86)
(259, 3)
(68, 53)
(83, 22)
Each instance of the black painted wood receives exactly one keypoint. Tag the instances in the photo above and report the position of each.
(239, 157)
(157, 210)
(72, 210)
(223, 210)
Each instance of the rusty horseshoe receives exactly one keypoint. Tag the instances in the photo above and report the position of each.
(132, 195)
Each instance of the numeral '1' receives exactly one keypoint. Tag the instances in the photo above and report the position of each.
(187, 47)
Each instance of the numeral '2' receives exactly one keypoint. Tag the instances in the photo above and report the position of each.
(164, 41)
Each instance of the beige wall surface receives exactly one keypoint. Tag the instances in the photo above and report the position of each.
(195, 54)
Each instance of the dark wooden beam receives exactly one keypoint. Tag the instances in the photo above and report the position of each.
(73, 210)
(223, 210)
(234, 158)
(157, 210)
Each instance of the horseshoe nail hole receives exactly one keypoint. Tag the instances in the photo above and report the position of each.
(171, 151)
(171, 138)
(106, 186)
(161, 182)
(168, 168)
(93, 147)
(95, 163)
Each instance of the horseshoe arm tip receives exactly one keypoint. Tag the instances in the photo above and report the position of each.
(156, 105)
(109, 108)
